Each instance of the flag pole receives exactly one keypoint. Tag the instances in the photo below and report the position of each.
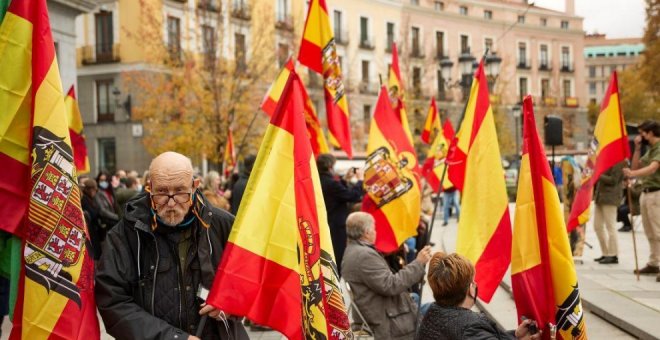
(630, 211)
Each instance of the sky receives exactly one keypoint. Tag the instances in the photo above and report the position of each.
(616, 18)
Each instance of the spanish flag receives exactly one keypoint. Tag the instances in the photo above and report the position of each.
(435, 166)
(38, 191)
(76, 132)
(229, 157)
(278, 268)
(432, 123)
(484, 229)
(314, 130)
(391, 179)
(543, 278)
(608, 147)
(395, 87)
(319, 52)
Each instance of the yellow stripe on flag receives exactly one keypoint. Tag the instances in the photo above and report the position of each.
(608, 118)
(48, 104)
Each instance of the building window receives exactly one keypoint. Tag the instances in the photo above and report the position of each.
(521, 19)
(522, 82)
(440, 45)
(488, 45)
(465, 45)
(522, 55)
(592, 88)
(104, 105)
(544, 60)
(545, 88)
(208, 45)
(239, 51)
(364, 31)
(566, 58)
(463, 10)
(282, 10)
(282, 53)
(337, 28)
(104, 36)
(592, 71)
(564, 24)
(488, 15)
(439, 6)
(174, 37)
(441, 86)
(416, 52)
(417, 80)
(544, 22)
(107, 154)
(390, 36)
(567, 88)
(366, 116)
(365, 71)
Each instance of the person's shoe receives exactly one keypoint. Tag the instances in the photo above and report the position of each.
(625, 228)
(598, 259)
(444, 224)
(609, 260)
(648, 270)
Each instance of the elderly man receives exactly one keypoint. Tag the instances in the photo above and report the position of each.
(381, 296)
(165, 248)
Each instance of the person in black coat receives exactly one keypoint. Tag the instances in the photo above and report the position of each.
(92, 212)
(451, 278)
(238, 188)
(338, 194)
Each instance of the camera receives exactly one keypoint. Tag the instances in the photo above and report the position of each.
(533, 329)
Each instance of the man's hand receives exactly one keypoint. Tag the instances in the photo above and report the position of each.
(522, 332)
(627, 172)
(638, 141)
(424, 255)
(210, 310)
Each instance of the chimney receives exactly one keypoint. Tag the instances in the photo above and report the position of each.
(570, 7)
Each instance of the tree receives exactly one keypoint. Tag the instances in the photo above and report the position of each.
(192, 96)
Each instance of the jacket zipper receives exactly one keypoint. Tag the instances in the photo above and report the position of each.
(153, 286)
(178, 283)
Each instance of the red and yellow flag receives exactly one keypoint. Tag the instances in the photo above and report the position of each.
(278, 268)
(319, 52)
(484, 229)
(608, 147)
(229, 157)
(56, 288)
(543, 278)
(76, 132)
(397, 93)
(391, 179)
(432, 124)
(269, 104)
(435, 165)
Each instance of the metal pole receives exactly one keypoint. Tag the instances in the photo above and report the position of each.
(632, 223)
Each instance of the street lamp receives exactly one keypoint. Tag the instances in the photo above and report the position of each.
(516, 111)
(126, 105)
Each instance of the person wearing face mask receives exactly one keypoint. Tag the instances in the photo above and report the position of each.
(166, 248)
(450, 317)
(105, 199)
(338, 193)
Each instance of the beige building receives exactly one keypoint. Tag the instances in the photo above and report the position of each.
(602, 57)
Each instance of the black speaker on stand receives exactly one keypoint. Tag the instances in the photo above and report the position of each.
(553, 127)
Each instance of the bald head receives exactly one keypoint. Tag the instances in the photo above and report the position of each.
(170, 166)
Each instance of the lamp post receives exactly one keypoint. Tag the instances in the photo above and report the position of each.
(516, 110)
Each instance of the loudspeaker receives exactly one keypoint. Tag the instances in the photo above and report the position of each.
(553, 131)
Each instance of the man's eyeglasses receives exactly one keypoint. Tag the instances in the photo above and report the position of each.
(162, 199)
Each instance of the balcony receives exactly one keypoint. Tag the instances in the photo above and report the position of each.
(524, 64)
(388, 44)
(341, 37)
(209, 5)
(367, 87)
(440, 55)
(284, 22)
(545, 66)
(549, 101)
(100, 54)
(241, 12)
(570, 102)
(567, 67)
(416, 52)
(367, 43)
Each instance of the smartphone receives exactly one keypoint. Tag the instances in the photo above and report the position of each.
(533, 329)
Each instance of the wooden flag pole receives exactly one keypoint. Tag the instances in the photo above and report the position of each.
(632, 224)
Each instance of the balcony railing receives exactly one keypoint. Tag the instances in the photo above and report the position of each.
(439, 55)
(209, 5)
(284, 22)
(241, 12)
(367, 87)
(367, 43)
(388, 44)
(100, 54)
(417, 52)
(570, 102)
(567, 67)
(524, 64)
(549, 101)
(341, 37)
(545, 66)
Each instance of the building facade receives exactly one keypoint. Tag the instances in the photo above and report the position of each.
(602, 57)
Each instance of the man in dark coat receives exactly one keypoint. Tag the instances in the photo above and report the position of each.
(154, 261)
(338, 194)
(92, 216)
(238, 189)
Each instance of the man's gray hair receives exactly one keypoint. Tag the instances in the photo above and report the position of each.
(357, 224)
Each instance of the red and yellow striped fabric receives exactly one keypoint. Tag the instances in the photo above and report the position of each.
(76, 132)
(316, 135)
(608, 147)
(56, 288)
(397, 93)
(319, 52)
(432, 124)
(484, 229)
(278, 268)
(544, 282)
(391, 179)
(229, 157)
(435, 165)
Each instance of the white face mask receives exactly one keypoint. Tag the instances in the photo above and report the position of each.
(103, 184)
(139, 187)
(353, 180)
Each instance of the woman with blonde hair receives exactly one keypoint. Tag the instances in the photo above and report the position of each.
(451, 278)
